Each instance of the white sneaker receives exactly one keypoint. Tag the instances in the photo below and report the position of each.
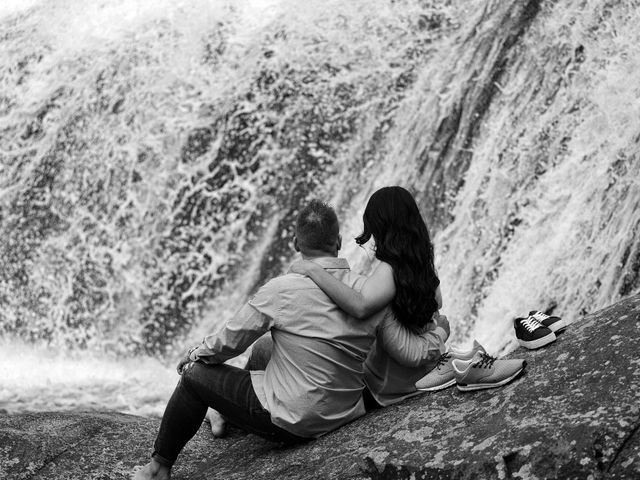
(484, 371)
(442, 375)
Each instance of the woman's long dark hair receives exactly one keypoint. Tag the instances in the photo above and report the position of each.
(402, 240)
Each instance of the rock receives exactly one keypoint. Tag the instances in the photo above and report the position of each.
(574, 414)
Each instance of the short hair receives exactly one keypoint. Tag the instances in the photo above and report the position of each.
(317, 227)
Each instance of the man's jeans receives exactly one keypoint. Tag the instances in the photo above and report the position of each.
(225, 388)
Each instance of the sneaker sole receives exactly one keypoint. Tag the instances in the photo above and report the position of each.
(559, 326)
(450, 383)
(540, 342)
(481, 386)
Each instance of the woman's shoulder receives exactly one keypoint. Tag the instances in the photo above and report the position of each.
(382, 277)
(384, 268)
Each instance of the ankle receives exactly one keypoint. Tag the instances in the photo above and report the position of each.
(152, 471)
(159, 471)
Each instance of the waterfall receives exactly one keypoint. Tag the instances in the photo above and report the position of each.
(153, 156)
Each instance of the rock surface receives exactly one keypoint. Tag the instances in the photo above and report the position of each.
(574, 414)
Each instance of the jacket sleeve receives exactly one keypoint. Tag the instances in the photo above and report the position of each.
(236, 335)
(408, 348)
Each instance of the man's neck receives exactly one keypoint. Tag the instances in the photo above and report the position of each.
(317, 254)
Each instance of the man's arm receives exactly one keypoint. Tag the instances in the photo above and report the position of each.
(234, 337)
(411, 349)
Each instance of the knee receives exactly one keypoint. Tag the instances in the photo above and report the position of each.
(190, 373)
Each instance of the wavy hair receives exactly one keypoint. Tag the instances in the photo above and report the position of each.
(402, 239)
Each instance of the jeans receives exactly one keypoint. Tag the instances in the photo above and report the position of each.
(225, 388)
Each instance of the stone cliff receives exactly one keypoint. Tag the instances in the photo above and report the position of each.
(574, 414)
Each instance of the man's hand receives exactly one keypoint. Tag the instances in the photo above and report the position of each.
(442, 322)
(185, 361)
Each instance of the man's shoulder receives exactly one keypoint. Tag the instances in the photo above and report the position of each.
(287, 281)
(296, 281)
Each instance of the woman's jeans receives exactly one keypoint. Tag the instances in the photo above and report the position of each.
(225, 388)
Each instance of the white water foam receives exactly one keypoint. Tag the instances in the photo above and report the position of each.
(41, 379)
(575, 221)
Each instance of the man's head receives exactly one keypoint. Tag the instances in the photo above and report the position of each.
(317, 231)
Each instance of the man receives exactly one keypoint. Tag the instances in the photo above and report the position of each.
(313, 381)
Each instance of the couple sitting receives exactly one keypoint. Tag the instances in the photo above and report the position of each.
(339, 343)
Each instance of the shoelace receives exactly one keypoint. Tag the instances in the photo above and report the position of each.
(540, 316)
(444, 358)
(486, 361)
(531, 323)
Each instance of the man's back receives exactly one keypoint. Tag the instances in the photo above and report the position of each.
(313, 382)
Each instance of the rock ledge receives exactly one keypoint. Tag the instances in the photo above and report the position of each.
(574, 414)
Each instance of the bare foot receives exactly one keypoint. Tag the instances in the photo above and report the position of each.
(218, 423)
(152, 471)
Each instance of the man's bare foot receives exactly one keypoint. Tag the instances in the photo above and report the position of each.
(152, 471)
(218, 423)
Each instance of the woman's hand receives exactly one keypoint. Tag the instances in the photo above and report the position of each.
(443, 322)
(303, 267)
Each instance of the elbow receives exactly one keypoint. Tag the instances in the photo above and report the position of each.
(361, 313)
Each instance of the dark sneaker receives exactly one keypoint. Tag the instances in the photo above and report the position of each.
(532, 334)
(555, 324)
(442, 375)
(484, 371)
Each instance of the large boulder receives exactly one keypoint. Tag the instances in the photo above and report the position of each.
(574, 414)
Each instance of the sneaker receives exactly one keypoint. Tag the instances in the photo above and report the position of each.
(484, 371)
(531, 333)
(442, 375)
(555, 324)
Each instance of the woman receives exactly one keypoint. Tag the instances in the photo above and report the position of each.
(411, 338)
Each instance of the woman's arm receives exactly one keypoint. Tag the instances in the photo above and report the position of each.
(412, 349)
(377, 291)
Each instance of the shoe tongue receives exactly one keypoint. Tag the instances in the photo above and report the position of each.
(477, 356)
(533, 322)
(477, 347)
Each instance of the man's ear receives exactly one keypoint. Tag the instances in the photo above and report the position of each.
(295, 244)
(339, 244)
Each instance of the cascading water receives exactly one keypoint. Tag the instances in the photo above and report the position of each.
(154, 154)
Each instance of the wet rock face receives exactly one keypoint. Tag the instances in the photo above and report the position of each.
(574, 414)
